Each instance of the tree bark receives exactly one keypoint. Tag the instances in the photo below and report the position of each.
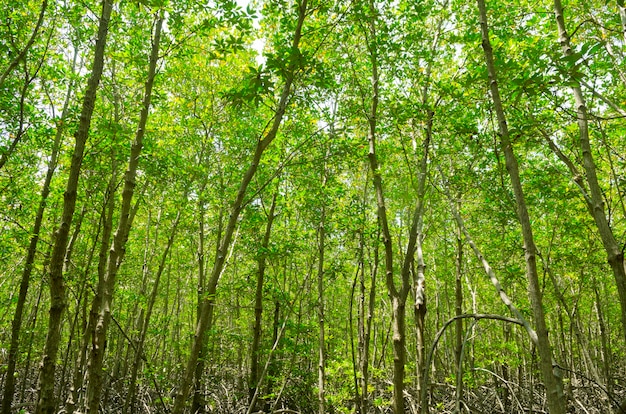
(554, 396)
(367, 301)
(398, 296)
(9, 385)
(117, 251)
(321, 365)
(46, 403)
(197, 404)
(458, 310)
(106, 220)
(615, 255)
(258, 305)
(139, 356)
(604, 352)
(420, 278)
(209, 300)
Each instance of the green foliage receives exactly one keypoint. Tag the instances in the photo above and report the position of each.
(216, 94)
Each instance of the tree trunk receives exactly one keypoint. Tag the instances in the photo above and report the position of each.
(46, 403)
(198, 402)
(208, 301)
(365, 312)
(21, 131)
(615, 255)
(132, 386)
(9, 385)
(31, 325)
(22, 54)
(458, 310)
(321, 366)
(554, 396)
(258, 305)
(197, 405)
(398, 296)
(605, 352)
(106, 220)
(117, 251)
(420, 278)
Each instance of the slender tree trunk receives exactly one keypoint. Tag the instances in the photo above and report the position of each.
(429, 357)
(520, 319)
(622, 17)
(22, 54)
(615, 255)
(398, 296)
(272, 366)
(106, 219)
(9, 385)
(277, 335)
(605, 352)
(553, 391)
(208, 301)
(117, 251)
(139, 356)
(458, 310)
(420, 311)
(321, 365)
(258, 305)
(366, 312)
(32, 324)
(21, 131)
(46, 403)
(137, 315)
(71, 395)
(81, 303)
(198, 403)
(575, 326)
(420, 279)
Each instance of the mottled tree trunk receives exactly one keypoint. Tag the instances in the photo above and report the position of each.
(553, 391)
(16, 326)
(117, 251)
(129, 404)
(46, 403)
(208, 301)
(321, 364)
(258, 305)
(615, 255)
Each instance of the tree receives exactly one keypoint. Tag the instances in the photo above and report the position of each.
(594, 200)
(398, 294)
(46, 403)
(206, 312)
(21, 54)
(9, 385)
(553, 391)
(117, 250)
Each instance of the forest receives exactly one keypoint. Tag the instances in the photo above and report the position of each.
(312, 206)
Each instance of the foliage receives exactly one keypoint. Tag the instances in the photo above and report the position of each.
(222, 68)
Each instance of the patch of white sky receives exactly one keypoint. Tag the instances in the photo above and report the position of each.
(258, 44)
